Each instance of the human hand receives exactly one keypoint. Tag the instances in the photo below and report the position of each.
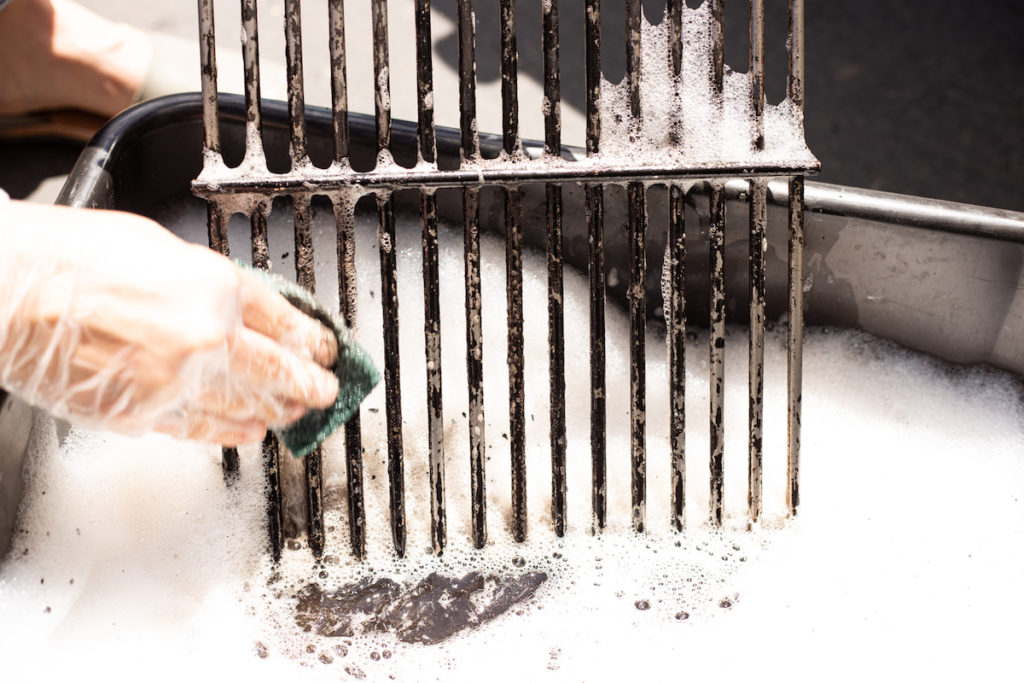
(110, 321)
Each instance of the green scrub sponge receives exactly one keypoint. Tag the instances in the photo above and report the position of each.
(356, 373)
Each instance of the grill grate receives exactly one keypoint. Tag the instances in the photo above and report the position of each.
(251, 187)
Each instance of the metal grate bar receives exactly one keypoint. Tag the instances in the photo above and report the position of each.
(474, 366)
(677, 351)
(794, 374)
(251, 64)
(755, 372)
(718, 45)
(344, 218)
(296, 96)
(431, 279)
(392, 371)
(381, 74)
(509, 79)
(756, 61)
(634, 18)
(306, 277)
(208, 71)
(595, 228)
(716, 239)
(556, 332)
(467, 81)
(637, 352)
(516, 388)
(339, 80)
(271, 449)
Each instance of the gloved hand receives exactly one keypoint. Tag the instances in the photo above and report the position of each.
(112, 322)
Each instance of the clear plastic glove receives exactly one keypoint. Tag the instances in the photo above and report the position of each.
(112, 322)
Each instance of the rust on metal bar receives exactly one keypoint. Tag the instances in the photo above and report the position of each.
(677, 351)
(592, 66)
(339, 79)
(217, 235)
(516, 382)
(637, 353)
(392, 372)
(716, 239)
(795, 345)
(296, 96)
(755, 373)
(474, 367)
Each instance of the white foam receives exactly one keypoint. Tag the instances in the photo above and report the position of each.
(906, 549)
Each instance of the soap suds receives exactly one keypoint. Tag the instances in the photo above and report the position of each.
(134, 557)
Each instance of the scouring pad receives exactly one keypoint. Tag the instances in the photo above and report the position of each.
(357, 375)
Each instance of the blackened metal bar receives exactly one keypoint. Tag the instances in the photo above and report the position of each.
(634, 19)
(756, 64)
(251, 66)
(432, 346)
(392, 374)
(271, 447)
(718, 45)
(795, 345)
(474, 366)
(556, 359)
(272, 471)
(716, 238)
(552, 85)
(425, 83)
(637, 352)
(595, 228)
(516, 385)
(467, 80)
(208, 62)
(306, 277)
(381, 77)
(755, 373)
(217, 234)
(677, 351)
(509, 78)
(345, 220)
(339, 79)
(592, 37)
(795, 81)
(296, 96)
(556, 333)
(598, 436)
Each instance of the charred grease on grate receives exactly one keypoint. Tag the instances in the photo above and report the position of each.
(251, 188)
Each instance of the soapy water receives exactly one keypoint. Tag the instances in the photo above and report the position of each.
(132, 556)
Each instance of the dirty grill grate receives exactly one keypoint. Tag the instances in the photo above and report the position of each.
(251, 187)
